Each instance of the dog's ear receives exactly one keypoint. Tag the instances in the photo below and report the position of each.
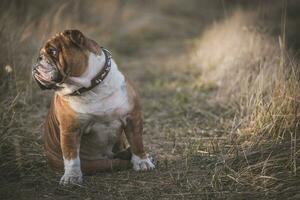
(75, 36)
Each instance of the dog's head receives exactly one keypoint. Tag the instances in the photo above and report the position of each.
(65, 55)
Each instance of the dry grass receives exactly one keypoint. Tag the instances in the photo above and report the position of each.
(223, 126)
(260, 80)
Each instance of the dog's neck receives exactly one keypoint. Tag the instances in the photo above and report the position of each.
(96, 63)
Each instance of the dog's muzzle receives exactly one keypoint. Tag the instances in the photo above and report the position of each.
(46, 77)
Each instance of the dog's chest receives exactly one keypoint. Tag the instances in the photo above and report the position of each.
(101, 120)
(113, 105)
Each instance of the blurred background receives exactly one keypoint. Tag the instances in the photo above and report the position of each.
(219, 84)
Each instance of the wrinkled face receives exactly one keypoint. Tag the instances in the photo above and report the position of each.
(63, 56)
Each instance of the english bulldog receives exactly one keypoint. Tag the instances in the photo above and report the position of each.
(94, 122)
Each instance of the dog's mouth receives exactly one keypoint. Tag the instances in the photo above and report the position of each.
(46, 76)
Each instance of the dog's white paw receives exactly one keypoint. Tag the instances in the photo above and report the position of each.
(67, 179)
(73, 174)
(141, 164)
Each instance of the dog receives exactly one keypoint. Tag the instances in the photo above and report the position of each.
(94, 121)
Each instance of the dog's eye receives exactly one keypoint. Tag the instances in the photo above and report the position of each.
(52, 51)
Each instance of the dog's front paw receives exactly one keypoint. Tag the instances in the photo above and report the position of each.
(67, 179)
(141, 164)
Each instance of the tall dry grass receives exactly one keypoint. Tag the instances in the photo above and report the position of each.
(259, 80)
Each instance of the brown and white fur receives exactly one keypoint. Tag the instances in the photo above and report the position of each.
(101, 129)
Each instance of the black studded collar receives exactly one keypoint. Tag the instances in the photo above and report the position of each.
(99, 77)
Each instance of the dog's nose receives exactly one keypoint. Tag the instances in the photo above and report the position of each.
(34, 67)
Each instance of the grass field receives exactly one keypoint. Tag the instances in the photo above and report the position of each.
(219, 83)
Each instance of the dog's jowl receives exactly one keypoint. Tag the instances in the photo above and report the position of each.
(94, 122)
